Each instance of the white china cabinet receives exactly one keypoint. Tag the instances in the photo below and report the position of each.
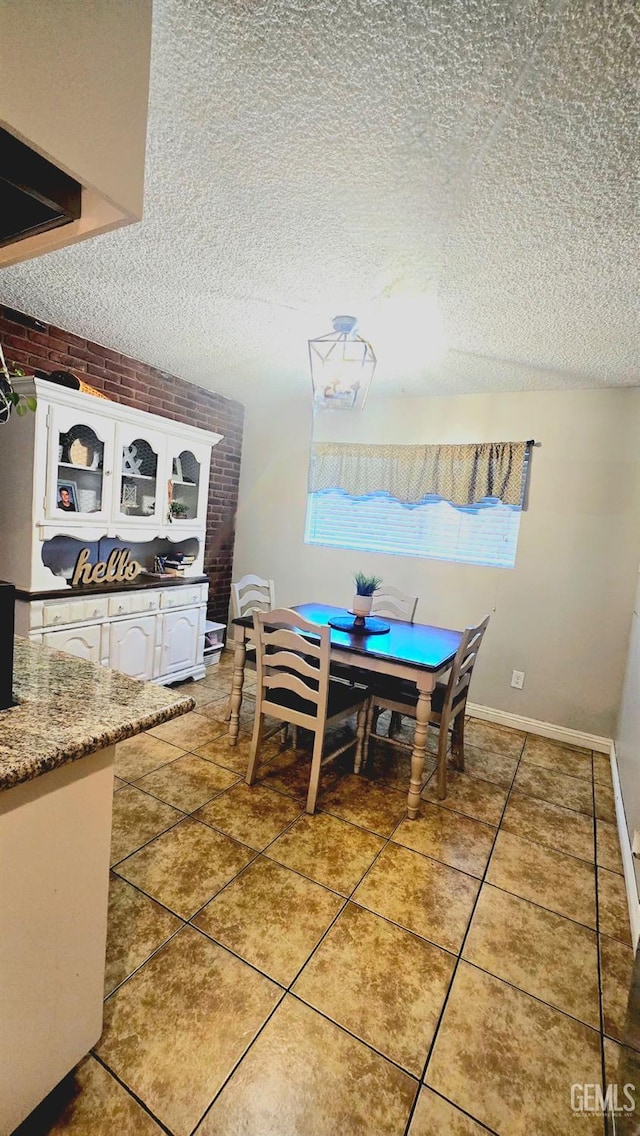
(83, 471)
(93, 468)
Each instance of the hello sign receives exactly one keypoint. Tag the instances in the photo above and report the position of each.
(117, 569)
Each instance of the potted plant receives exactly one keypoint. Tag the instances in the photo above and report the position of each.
(9, 398)
(363, 598)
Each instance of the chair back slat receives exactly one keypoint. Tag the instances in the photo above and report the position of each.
(254, 600)
(475, 639)
(289, 660)
(284, 680)
(252, 593)
(281, 637)
(467, 663)
(389, 602)
(468, 659)
(284, 618)
(462, 685)
(283, 651)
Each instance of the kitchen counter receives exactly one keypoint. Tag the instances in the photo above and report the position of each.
(57, 752)
(67, 708)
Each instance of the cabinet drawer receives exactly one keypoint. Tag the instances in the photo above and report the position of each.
(62, 612)
(130, 603)
(183, 596)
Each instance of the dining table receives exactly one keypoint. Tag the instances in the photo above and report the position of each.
(416, 652)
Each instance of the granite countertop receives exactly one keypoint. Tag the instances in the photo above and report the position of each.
(67, 708)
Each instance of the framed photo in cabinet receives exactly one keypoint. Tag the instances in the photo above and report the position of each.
(67, 499)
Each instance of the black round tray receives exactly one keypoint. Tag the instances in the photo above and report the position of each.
(359, 624)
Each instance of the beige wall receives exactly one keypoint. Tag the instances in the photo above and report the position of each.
(562, 615)
(75, 85)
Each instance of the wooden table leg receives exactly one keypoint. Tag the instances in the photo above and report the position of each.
(237, 680)
(423, 711)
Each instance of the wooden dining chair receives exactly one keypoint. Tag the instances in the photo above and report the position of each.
(389, 602)
(250, 594)
(448, 704)
(293, 685)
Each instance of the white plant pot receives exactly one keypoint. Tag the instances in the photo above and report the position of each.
(362, 605)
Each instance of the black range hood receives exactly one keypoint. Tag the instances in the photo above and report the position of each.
(34, 195)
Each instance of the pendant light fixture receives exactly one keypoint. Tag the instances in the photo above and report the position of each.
(342, 366)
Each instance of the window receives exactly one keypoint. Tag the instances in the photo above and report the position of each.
(486, 533)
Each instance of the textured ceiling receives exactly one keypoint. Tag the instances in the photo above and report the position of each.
(462, 175)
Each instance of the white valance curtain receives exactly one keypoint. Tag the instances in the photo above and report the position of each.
(462, 474)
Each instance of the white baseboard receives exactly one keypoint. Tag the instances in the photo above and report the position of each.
(544, 729)
(627, 856)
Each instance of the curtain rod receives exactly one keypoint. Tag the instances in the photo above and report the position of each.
(531, 442)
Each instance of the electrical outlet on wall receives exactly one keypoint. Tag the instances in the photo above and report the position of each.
(517, 679)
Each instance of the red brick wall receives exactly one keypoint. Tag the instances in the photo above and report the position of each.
(136, 384)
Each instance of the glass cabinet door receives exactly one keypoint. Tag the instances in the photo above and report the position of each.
(79, 463)
(186, 487)
(138, 490)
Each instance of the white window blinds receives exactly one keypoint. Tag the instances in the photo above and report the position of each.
(485, 533)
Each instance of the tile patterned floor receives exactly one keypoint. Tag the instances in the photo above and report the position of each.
(273, 974)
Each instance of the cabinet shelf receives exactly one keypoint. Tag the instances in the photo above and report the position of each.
(82, 468)
(139, 476)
